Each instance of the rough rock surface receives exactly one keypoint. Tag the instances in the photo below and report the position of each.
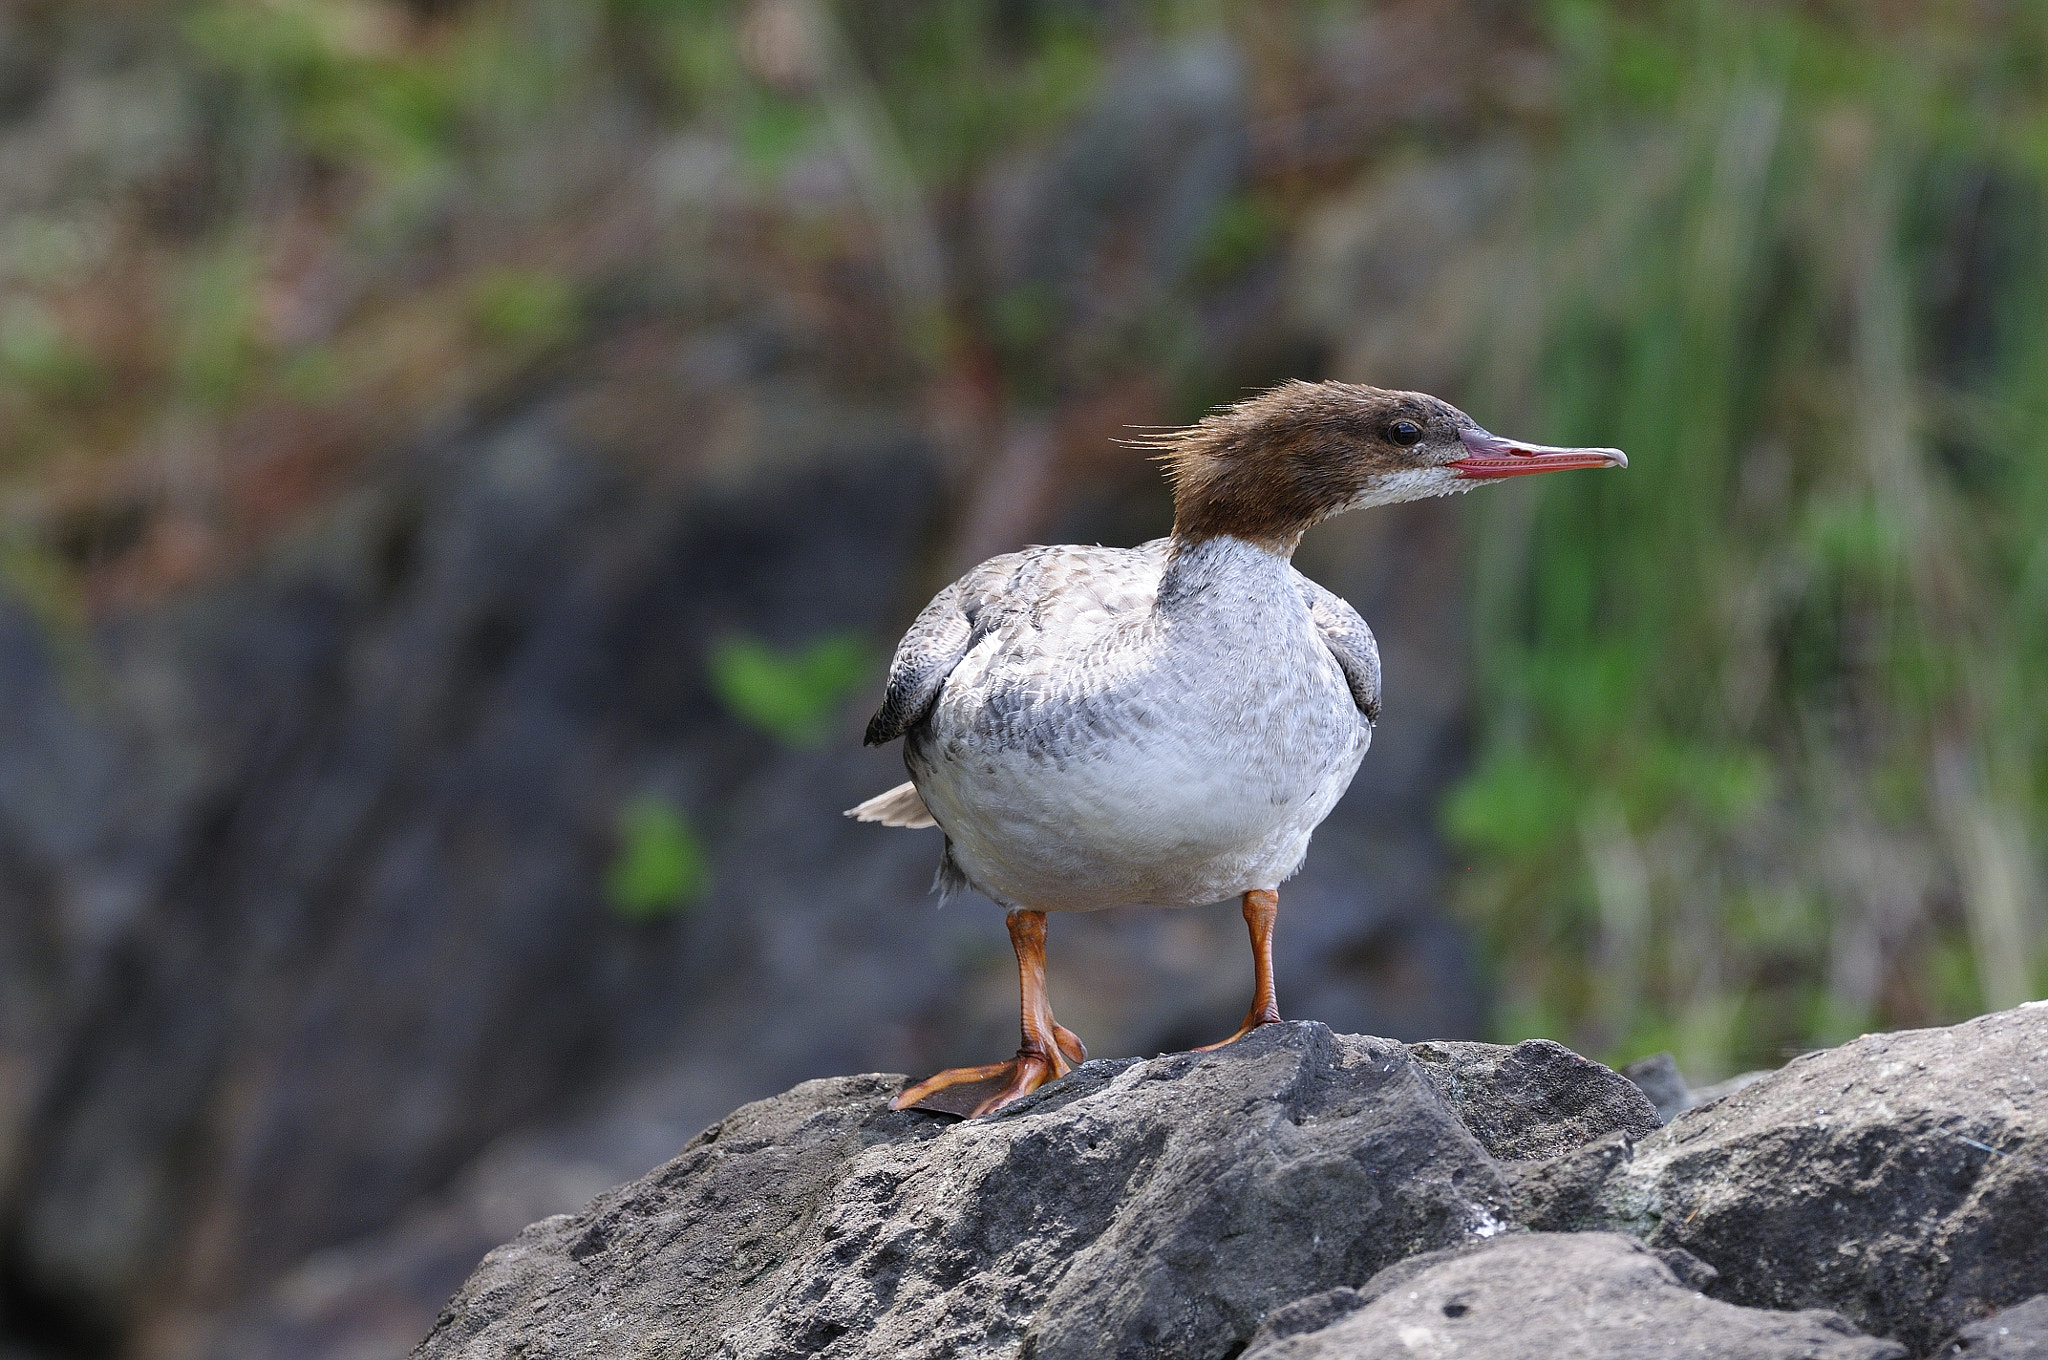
(1537, 1099)
(2017, 1333)
(1591, 1296)
(1161, 1207)
(1304, 1193)
(1901, 1179)
(1659, 1078)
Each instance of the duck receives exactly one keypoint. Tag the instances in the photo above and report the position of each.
(1164, 725)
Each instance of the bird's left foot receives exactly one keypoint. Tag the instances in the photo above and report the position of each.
(1050, 1049)
(1021, 1075)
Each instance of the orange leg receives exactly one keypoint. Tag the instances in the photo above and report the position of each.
(1050, 1049)
(1261, 909)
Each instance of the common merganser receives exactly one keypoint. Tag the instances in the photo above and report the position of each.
(1165, 725)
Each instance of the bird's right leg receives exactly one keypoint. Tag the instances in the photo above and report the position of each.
(1261, 909)
(1049, 1050)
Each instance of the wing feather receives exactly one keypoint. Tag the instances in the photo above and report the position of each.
(937, 639)
(1056, 591)
(1351, 642)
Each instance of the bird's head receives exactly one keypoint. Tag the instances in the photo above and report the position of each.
(1268, 467)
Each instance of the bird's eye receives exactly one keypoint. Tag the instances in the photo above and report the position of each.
(1404, 432)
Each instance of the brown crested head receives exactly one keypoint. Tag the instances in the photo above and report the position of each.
(1268, 467)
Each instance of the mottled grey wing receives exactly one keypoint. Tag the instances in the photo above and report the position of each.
(1030, 594)
(1350, 641)
(927, 655)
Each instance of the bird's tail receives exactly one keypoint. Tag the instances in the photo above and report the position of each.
(900, 806)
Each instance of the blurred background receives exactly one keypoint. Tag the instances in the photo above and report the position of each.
(464, 464)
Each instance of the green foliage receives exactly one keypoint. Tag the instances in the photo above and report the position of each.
(35, 353)
(31, 576)
(524, 307)
(963, 79)
(217, 350)
(312, 377)
(349, 90)
(1514, 805)
(1243, 231)
(774, 129)
(1752, 703)
(794, 696)
(660, 867)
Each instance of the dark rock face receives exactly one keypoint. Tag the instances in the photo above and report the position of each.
(1591, 1296)
(2018, 1333)
(303, 914)
(1901, 1179)
(368, 935)
(1144, 1208)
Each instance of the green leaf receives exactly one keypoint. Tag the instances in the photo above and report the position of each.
(793, 696)
(660, 868)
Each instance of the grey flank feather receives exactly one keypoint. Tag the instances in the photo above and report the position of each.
(1351, 642)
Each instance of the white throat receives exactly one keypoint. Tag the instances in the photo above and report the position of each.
(1409, 484)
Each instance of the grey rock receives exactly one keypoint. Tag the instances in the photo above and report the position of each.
(1525, 1297)
(1691, 1271)
(1902, 1179)
(1306, 1194)
(2017, 1333)
(1162, 1207)
(1308, 1315)
(1535, 1100)
(1658, 1078)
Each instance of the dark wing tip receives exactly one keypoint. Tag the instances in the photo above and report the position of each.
(880, 730)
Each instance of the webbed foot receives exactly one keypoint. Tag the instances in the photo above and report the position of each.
(1050, 1049)
(1020, 1076)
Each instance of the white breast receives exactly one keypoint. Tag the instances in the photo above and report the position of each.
(1107, 747)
